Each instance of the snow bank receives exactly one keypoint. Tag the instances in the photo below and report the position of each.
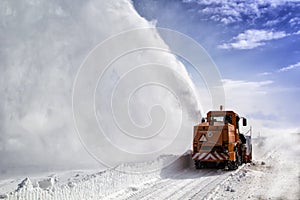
(92, 185)
(274, 173)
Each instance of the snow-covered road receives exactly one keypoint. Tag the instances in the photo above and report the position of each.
(273, 175)
(186, 184)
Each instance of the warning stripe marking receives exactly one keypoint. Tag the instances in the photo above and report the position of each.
(210, 156)
(202, 156)
(225, 156)
(218, 156)
(197, 154)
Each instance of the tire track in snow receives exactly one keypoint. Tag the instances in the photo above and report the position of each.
(187, 180)
(199, 186)
(177, 184)
(208, 188)
(161, 183)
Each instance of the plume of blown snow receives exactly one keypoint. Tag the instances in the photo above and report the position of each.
(42, 45)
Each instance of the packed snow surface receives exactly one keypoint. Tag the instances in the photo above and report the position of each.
(273, 175)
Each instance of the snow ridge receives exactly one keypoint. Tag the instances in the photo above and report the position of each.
(96, 185)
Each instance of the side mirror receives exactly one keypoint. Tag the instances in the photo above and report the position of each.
(244, 122)
(203, 120)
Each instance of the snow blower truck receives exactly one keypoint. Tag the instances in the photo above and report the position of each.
(218, 141)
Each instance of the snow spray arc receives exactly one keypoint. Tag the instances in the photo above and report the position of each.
(133, 100)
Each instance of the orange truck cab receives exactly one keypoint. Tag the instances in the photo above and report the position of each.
(218, 140)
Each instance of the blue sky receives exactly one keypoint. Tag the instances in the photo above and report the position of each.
(255, 45)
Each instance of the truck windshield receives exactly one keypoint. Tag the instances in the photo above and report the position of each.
(217, 119)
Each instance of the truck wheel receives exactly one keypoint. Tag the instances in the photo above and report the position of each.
(232, 165)
(199, 165)
(238, 158)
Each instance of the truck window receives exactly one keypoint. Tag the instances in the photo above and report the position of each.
(228, 119)
(219, 119)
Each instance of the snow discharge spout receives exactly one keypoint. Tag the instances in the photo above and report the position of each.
(94, 74)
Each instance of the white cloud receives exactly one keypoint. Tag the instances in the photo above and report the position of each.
(283, 69)
(262, 103)
(230, 84)
(264, 74)
(290, 67)
(230, 11)
(294, 21)
(257, 2)
(251, 39)
(273, 22)
(239, 95)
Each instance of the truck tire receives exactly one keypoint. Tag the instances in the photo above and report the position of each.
(238, 158)
(232, 165)
(199, 165)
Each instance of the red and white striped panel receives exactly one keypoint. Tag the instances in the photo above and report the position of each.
(212, 156)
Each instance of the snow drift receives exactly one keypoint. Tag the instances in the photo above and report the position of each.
(90, 184)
